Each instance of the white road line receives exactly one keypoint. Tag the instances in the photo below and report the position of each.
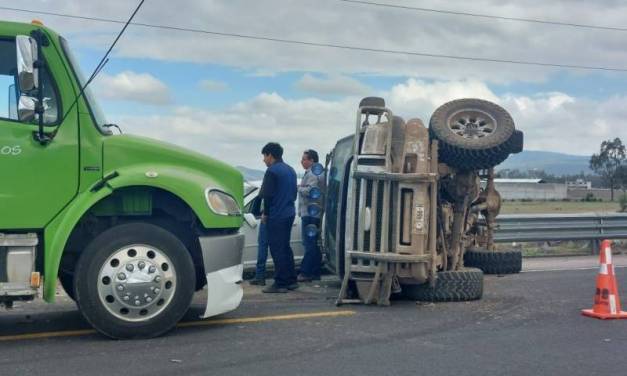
(565, 270)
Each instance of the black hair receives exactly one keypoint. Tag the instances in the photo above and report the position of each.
(311, 154)
(274, 149)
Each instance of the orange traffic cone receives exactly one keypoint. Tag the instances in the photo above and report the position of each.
(606, 300)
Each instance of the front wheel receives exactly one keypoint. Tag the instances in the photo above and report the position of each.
(134, 280)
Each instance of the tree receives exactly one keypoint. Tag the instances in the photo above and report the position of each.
(608, 161)
(621, 177)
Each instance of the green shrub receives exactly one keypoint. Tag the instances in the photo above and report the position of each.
(589, 198)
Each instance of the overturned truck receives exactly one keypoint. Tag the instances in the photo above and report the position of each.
(411, 209)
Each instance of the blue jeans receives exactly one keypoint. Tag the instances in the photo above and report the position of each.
(279, 232)
(312, 262)
(262, 251)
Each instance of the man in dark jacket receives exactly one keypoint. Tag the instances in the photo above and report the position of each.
(278, 191)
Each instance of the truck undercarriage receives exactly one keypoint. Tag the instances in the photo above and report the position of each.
(421, 203)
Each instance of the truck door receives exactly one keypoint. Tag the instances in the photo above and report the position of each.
(36, 181)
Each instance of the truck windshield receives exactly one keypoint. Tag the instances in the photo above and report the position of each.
(92, 103)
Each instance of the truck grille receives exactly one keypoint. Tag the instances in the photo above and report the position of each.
(373, 200)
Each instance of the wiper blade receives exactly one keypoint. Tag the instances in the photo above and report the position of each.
(113, 126)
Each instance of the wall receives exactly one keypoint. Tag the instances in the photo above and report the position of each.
(605, 194)
(518, 191)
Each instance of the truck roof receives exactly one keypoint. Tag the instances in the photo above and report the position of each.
(8, 28)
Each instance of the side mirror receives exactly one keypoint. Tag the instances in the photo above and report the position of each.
(250, 220)
(26, 48)
(26, 108)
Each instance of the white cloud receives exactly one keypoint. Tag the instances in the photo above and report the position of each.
(332, 85)
(131, 86)
(356, 25)
(561, 123)
(551, 121)
(416, 97)
(238, 134)
(211, 85)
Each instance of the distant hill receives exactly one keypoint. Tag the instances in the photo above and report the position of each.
(552, 163)
(251, 174)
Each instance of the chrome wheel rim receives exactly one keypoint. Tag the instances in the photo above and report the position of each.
(472, 124)
(136, 283)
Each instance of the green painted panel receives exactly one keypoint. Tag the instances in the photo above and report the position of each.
(38, 181)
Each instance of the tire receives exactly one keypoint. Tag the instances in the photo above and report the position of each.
(494, 262)
(473, 133)
(67, 281)
(163, 281)
(375, 105)
(515, 143)
(450, 286)
(372, 102)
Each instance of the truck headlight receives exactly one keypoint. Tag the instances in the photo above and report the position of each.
(222, 203)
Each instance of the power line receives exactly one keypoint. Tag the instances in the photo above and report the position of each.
(327, 45)
(480, 15)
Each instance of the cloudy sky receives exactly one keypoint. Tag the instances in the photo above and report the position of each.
(227, 96)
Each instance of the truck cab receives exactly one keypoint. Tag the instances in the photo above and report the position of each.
(130, 226)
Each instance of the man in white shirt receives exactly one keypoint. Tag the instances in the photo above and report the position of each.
(309, 194)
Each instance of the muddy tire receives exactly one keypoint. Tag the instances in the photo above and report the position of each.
(474, 134)
(450, 286)
(134, 280)
(494, 262)
(373, 102)
(515, 143)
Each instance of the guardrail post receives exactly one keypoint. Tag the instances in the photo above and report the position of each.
(595, 245)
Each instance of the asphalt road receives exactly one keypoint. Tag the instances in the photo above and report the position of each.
(526, 324)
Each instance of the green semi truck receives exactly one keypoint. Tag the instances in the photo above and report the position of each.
(131, 227)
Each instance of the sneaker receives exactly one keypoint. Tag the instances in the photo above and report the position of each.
(303, 278)
(293, 286)
(274, 289)
(257, 282)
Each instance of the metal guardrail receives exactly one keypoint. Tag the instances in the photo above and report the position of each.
(549, 227)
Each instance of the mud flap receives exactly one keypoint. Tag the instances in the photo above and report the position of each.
(224, 290)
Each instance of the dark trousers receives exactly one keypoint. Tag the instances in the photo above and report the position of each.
(262, 251)
(279, 231)
(312, 260)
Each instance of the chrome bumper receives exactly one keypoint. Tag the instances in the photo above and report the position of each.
(222, 258)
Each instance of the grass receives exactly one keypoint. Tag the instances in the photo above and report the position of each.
(556, 207)
(555, 248)
(560, 248)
